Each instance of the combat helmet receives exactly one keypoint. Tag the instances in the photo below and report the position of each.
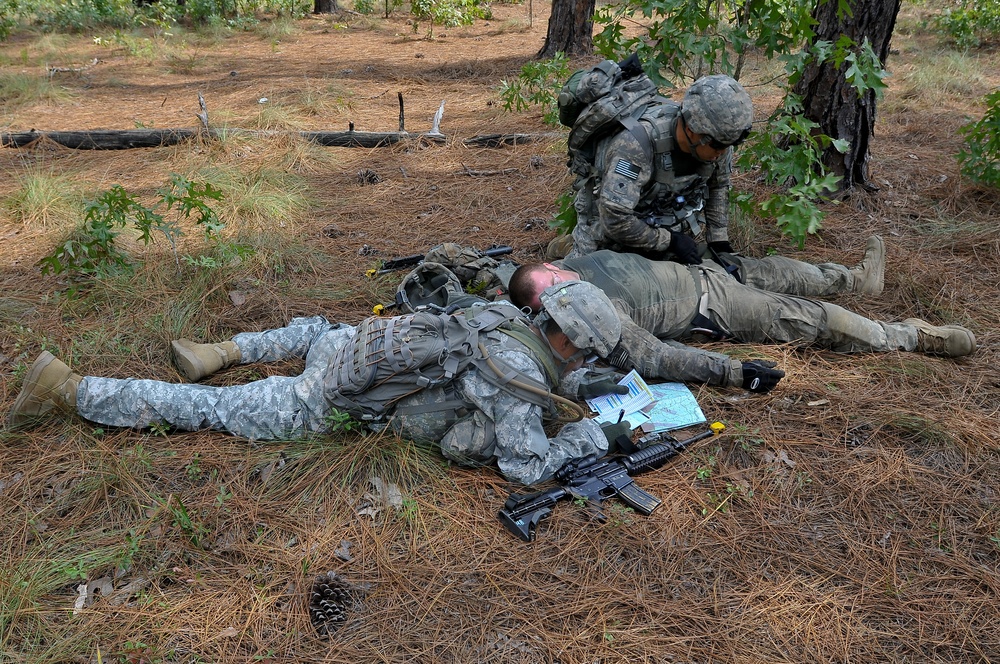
(432, 286)
(584, 313)
(717, 106)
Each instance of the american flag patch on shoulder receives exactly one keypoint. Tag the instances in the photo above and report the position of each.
(627, 169)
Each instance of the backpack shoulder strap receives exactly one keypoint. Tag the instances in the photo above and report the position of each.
(541, 352)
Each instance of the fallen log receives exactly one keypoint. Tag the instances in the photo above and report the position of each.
(500, 140)
(154, 138)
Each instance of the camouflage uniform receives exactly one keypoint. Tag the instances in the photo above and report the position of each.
(616, 201)
(657, 301)
(495, 426)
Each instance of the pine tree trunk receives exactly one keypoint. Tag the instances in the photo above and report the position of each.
(571, 28)
(325, 7)
(827, 96)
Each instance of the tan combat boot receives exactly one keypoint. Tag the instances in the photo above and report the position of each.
(869, 274)
(946, 340)
(559, 247)
(199, 360)
(49, 386)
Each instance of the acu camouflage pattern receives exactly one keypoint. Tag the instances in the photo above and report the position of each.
(717, 106)
(496, 427)
(607, 218)
(584, 314)
(656, 301)
(475, 271)
(624, 204)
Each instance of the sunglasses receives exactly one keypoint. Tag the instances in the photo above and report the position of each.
(716, 145)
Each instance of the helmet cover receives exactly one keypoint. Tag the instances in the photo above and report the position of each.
(717, 106)
(585, 315)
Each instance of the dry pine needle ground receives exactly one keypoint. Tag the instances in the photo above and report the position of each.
(849, 516)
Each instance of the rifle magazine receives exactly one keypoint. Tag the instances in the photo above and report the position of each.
(641, 501)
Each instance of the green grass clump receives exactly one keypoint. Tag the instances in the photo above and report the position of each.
(259, 197)
(44, 199)
(19, 90)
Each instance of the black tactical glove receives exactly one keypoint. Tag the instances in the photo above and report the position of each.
(617, 435)
(684, 248)
(721, 246)
(761, 376)
(595, 384)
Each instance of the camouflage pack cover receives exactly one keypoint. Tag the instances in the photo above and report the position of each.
(390, 358)
(719, 107)
(599, 101)
(475, 271)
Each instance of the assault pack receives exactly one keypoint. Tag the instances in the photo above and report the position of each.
(390, 358)
(601, 100)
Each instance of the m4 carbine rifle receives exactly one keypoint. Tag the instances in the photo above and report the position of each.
(596, 480)
(394, 264)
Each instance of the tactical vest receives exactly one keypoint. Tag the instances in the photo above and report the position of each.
(390, 358)
(670, 201)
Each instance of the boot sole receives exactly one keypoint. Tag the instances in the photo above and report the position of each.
(879, 286)
(190, 366)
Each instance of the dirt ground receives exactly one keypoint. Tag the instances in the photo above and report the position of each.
(849, 516)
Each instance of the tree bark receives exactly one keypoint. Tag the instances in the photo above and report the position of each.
(325, 7)
(830, 100)
(571, 28)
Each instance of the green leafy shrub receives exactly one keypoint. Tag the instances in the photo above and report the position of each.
(9, 12)
(538, 84)
(789, 154)
(92, 250)
(365, 7)
(980, 155)
(565, 220)
(80, 15)
(449, 13)
(971, 23)
(685, 39)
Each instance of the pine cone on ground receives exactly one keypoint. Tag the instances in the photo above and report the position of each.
(331, 598)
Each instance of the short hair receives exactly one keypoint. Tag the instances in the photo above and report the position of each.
(522, 287)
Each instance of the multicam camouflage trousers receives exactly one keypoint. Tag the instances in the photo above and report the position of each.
(273, 408)
(757, 316)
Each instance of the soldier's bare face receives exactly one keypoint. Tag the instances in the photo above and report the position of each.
(551, 276)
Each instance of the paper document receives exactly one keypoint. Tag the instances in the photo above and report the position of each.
(611, 407)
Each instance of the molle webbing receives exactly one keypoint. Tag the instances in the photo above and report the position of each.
(391, 358)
